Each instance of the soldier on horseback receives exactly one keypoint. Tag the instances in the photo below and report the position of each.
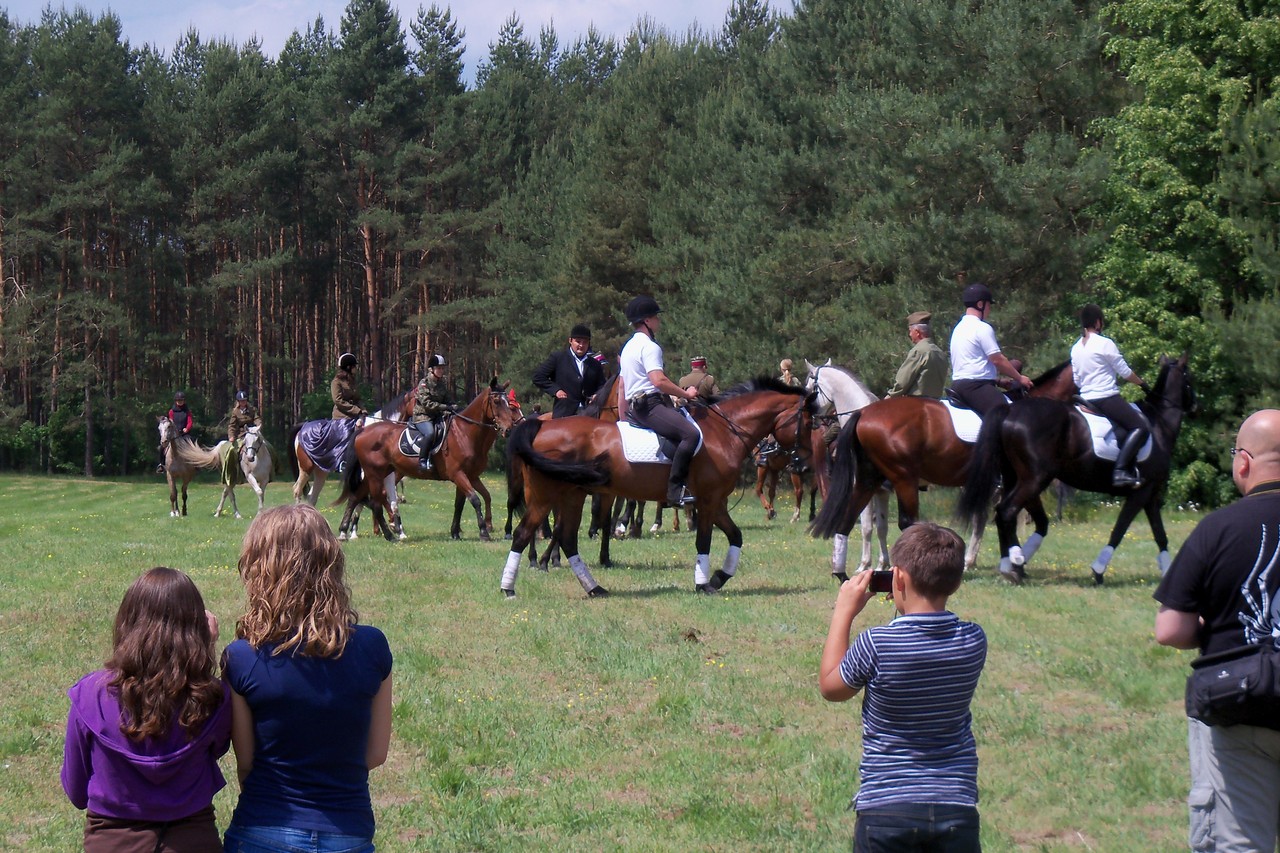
(646, 388)
(432, 400)
(1097, 363)
(924, 372)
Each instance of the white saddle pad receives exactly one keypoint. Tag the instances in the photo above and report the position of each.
(966, 422)
(641, 445)
(1104, 437)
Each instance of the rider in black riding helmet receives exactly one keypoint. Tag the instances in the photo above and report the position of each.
(648, 393)
(1096, 364)
(431, 401)
(180, 417)
(343, 390)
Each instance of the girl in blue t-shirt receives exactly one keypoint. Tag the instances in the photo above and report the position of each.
(311, 693)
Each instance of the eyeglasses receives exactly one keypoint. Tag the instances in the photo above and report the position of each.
(1236, 450)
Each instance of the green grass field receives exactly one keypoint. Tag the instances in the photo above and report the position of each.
(651, 720)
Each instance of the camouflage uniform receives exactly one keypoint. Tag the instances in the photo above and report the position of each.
(432, 399)
(346, 397)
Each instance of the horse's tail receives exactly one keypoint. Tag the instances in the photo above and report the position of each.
(352, 473)
(293, 454)
(587, 474)
(198, 455)
(515, 483)
(841, 476)
(984, 466)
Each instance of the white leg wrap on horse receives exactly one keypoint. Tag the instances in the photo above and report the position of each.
(509, 571)
(731, 560)
(702, 569)
(1104, 559)
(1162, 562)
(579, 567)
(1006, 566)
(1033, 543)
(1016, 557)
(839, 552)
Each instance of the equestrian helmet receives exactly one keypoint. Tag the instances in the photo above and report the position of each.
(436, 360)
(642, 308)
(347, 361)
(241, 396)
(975, 293)
(581, 330)
(179, 396)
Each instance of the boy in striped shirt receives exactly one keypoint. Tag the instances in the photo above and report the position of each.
(919, 773)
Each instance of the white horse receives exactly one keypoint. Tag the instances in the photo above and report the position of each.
(846, 393)
(254, 464)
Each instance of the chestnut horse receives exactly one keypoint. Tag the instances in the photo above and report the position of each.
(1031, 442)
(907, 440)
(460, 459)
(569, 457)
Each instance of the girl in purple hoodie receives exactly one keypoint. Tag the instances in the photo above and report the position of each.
(144, 734)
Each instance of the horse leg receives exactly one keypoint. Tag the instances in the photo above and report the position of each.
(526, 532)
(720, 518)
(862, 494)
(568, 522)
(483, 491)
(173, 496)
(762, 478)
(464, 485)
(317, 485)
(184, 498)
(393, 508)
(1156, 520)
(379, 500)
(637, 522)
(455, 530)
(622, 517)
(602, 506)
(1128, 512)
(797, 486)
(1035, 508)
(259, 489)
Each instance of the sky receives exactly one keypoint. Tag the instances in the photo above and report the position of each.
(162, 24)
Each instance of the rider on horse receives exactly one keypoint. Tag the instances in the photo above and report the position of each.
(182, 420)
(698, 379)
(924, 372)
(343, 390)
(976, 359)
(1096, 363)
(646, 388)
(431, 401)
(242, 416)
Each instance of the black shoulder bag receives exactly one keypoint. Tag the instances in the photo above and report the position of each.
(1236, 686)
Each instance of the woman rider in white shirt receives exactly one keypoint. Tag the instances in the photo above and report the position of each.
(1096, 364)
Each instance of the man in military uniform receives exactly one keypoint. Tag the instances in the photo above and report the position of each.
(699, 380)
(432, 400)
(242, 416)
(343, 390)
(924, 372)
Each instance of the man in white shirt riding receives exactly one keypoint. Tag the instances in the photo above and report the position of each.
(976, 359)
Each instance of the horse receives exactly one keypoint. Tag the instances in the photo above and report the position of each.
(175, 469)
(1033, 441)
(846, 394)
(567, 458)
(460, 459)
(771, 463)
(907, 440)
(253, 463)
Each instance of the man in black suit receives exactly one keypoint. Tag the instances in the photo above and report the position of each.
(570, 375)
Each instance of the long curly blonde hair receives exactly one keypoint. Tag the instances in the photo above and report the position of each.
(293, 571)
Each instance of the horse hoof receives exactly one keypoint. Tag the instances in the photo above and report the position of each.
(485, 537)
(620, 532)
(402, 536)
(1012, 574)
(506, 536)
(342, 537)
(653, 528)
(1098, 578)
(508, 593)
(597, 592)
(455, 535)
(540, 567)
(238, 515)
(705, 589)
(771, 515)
(720, 578)
(841, 577)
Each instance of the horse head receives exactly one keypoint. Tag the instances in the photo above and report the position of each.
(1173, 388)
(252, 443)
(501, 412)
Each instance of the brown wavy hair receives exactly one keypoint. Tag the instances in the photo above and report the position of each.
(294, 576)
(162, 664)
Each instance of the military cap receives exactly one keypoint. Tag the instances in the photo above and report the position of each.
(919, 318)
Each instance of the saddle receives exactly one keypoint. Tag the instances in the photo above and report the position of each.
(1103, 434)
(326, 441)
(645, 445)
(423, 435)
(965, 421)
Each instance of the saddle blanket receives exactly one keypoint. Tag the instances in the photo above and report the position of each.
(411, 440)
(1104, 436)
(641, 445)
(325, 441)
(966, 422)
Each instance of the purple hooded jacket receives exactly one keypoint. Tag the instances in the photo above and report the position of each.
(158, 779)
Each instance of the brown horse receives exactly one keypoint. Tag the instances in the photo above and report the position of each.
(460, 459)
(771, 464)
(569, 457)
(908, 440)
(176, 469)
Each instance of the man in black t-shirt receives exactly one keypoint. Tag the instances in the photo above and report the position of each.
(1221, 592)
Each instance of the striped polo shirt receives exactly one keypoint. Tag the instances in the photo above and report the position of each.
(919, 673)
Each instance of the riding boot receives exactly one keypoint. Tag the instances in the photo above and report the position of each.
(677, 494)
(424, 462)
(1125, 475)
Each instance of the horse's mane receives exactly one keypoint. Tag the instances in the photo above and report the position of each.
(862, 386)
(602, 398)
(1051, 374)
(761, 383)
(390, 410)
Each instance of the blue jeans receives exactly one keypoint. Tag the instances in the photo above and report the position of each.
(282, 839)
(918, 828)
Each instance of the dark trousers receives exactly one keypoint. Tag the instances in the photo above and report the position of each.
(917, 828)
(655, 412)
(194, 834)
(1122, 416)
(981, 395)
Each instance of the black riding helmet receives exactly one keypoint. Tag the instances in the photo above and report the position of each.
(347, 361)
(975, 293)
(241, 396)
(179, 397)
(642, 308)
(436, 360)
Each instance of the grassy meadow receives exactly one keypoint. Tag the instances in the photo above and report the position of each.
(651, 720)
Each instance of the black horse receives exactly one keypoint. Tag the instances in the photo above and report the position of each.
(1034, 440)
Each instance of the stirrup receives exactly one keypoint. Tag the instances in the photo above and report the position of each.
(678, 496)
(1122, 479)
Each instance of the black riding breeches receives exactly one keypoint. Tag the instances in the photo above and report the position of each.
(656, 413)
(1123, 417)
(981, 395)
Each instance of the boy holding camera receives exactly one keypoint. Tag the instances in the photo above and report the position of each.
(919, 771)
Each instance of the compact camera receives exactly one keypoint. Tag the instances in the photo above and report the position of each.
(882, 581)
